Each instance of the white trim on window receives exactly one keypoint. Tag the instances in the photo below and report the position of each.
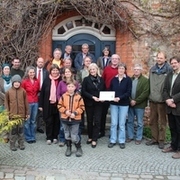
(82, 29)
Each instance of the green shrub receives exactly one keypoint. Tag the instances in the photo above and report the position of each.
(6, 125)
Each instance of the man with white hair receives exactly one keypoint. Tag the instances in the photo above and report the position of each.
(138, 102)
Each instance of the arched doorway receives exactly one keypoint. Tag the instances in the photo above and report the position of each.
(76, 31)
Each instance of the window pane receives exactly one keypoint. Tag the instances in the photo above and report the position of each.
(78, 22)
(69, 25)
(106, 30)
(88, 23)
(97, 26)
(61, 30)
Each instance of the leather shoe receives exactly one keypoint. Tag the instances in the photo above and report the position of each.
(40, 131)
(161, 145)
(176, 155)
(110, 145)
(93, 144)
(129, 140)
(89, 141)
(151, 142)
(30, 142)
(138, 142)
(168, 149)
(122, 145)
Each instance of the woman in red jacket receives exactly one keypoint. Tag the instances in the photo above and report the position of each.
(31, 86)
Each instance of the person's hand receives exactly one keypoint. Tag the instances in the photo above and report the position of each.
(133, 102)
(116, 99)
(173, 105)
(72, 116)
(169, 102)
(95, 98)
(68, 113)
(40, 108)
(27, 117)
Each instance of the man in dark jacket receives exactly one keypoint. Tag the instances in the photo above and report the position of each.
(78, 61)
(171, 94)
(41, 74)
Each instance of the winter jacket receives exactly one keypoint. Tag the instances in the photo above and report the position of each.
(74, 103)
(142, 92)
(16, 102)
(157, 77)
(175, 95)
(32, 89)
(122, 90)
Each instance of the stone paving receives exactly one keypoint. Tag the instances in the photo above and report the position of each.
(48, 162)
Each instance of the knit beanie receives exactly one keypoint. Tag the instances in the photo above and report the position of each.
(4, 65)
(16, 78)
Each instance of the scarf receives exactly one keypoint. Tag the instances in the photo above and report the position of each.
(52, 96)
(6, 78)
(96, 81)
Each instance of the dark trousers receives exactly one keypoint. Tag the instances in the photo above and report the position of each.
(103, 117)
(52, 126)
(16, 134)
(158, 121)
(39, 120)
(174, 125)
(93, 120)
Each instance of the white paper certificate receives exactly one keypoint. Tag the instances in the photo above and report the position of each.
(106, 95)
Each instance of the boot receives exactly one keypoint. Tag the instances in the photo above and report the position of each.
(12, 146)
(79, 151)
(68, 150)
(13, 138)
(21, 140)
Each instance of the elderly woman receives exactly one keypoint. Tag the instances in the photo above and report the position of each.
(48, 104)
(5, 85)
(31, 86)
(121, 85)
(91, 87)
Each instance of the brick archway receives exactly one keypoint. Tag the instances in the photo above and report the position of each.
(123, 43)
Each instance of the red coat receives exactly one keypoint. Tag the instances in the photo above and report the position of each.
(32, 90)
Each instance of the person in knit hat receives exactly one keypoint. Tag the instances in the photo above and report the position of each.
(17, 106)
(5, 85)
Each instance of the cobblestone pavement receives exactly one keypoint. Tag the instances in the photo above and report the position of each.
(48, 162)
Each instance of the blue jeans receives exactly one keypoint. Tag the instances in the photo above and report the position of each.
(118, 117)
(30, 124)
(139, 113)
(61, 133)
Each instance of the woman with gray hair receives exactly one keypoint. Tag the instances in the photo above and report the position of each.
(91, 87)
(31, 86)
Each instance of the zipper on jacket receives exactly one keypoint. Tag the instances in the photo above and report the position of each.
(71, 104)
(17, 102)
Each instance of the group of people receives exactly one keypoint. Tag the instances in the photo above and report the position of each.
(59, 91)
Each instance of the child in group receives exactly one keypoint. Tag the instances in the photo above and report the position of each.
(71, 106)
(16, 105)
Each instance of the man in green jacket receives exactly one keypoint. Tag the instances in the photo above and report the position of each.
(138, 102)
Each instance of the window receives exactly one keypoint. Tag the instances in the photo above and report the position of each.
(61, 30)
